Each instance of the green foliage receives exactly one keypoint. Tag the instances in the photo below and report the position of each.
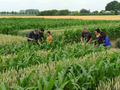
(117, 6)
(84, 11)
(113, 84)
(111, 6)
(4, 86)
(63, 12)
(75, 13)
(13, 25)
(117, 45)
(47, 13)
(95, 12)
(62, 65)
(27, 56)
(26, 80)
(53, 12)
(77, 75)
(75, 35)
(116, 12)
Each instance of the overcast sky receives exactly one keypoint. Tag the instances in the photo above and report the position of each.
(72, 5)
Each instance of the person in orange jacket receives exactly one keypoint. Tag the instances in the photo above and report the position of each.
(49, 37)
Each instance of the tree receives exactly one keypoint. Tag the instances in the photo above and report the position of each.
(95, 11)
(4, 12)
(111, 6)
(47, 13)
(112, 12)
(31, 11)
(84, 11)
(13, 12)
(75, 13)
(116, 12)
(63, 12)
(102, 11)
(117, 6)
(7, 13)
(53, 12)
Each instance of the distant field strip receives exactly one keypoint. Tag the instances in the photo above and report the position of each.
(110, 17)
(9, 38)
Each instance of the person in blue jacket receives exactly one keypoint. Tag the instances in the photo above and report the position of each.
(106, 40)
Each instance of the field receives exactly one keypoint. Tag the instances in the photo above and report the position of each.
(65, 64)
(111, 17)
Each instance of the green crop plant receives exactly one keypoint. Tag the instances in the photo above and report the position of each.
(75, 35)
(11, 39)
(63, 64)
(113, 84)
(55, 33)
(28, 56)
(4, 86)
(87, 60)
(78, 75)
(13, 25)
(117, 44)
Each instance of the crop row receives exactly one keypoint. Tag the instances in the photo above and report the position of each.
(11, 39)
(113, 33)
(71, 74)
(45, 66)
(27, 56)
(13, 25)
(113, 84)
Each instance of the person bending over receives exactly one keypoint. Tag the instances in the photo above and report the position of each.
(33, 37)
(49, 37)
(86, 35)
(41, 34)
(98, 37)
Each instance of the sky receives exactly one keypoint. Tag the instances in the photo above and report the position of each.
(72, 5)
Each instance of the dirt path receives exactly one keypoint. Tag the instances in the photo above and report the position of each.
(113, 43)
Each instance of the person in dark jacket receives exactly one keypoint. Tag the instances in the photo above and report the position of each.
(41, 34)
(105, 39)
(86, 35)
(33, 37)
(98, 37)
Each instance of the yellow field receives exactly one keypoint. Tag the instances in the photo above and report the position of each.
(111, 17)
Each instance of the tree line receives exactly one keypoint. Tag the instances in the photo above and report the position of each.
(82, 12)
(112, 8)
(21, 12)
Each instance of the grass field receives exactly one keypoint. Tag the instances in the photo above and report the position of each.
(109, 17)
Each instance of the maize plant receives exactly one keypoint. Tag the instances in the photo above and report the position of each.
(75, 75)
(64, 64)
(13, 25)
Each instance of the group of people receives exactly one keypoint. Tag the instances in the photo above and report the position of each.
(35, 36)
(100, 37)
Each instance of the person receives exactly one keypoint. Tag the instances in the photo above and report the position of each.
(49, 37)
(86, 35)
(41, 34)
(33, 37)
(98, 37)
(105, 40)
